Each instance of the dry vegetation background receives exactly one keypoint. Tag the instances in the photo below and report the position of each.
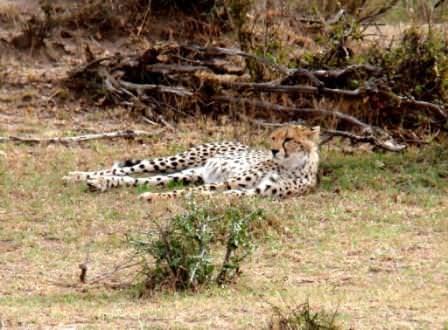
(369, 246)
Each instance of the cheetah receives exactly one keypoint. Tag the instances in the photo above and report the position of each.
(289, 168)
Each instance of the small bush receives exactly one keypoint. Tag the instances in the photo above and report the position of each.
(302, 318)
(416, 66)
(186, 250)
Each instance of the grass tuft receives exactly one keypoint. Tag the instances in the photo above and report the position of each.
(302, 318)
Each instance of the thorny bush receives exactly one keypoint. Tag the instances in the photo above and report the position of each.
(186, 250)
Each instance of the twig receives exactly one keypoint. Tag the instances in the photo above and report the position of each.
(115, 270)
(83, 275)
(80, 138)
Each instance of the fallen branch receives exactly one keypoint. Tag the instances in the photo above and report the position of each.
(329, 134)
(283, 108)
(294, 89)
(236, 52)
(80, 138)
(336, 74)
(387, 144)
(359, 92)
(180, 91)
(174, 68)
(373, 135)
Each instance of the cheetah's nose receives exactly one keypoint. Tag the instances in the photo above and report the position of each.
(274, 152)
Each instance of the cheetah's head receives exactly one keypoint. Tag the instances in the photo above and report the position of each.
(292, 145)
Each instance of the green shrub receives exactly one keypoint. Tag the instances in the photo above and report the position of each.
(416, 66)
(186, 249)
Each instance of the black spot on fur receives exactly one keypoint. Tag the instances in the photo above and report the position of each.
(268, 187)
(212, 188)
(242, 185)
(132, 169)
(181, 160)
(248, 178)
(174, 164)
(258, 191)
(289, 193)
(142, 165)
(162, 164)
(274, 191)
(130, 162)
(156, 167)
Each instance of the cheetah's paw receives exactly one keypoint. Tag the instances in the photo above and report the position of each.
(77, 176)
(99, 183)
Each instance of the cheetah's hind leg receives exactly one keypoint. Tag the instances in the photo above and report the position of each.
(103, 183)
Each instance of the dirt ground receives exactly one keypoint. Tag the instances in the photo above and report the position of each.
(370, 243)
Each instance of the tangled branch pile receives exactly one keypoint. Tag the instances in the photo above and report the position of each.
(180, 80)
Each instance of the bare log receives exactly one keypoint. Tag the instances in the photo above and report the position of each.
(80, 138)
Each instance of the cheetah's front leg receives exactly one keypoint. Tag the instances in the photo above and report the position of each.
(239, 186)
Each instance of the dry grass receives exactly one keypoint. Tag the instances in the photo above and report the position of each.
(371, 242)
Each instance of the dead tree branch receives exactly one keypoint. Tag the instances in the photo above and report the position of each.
(282, 108)
(387, 144)
(129, 134)
(180, 91)
(372, 134)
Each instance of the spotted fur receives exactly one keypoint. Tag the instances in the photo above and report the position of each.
(290, 168)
